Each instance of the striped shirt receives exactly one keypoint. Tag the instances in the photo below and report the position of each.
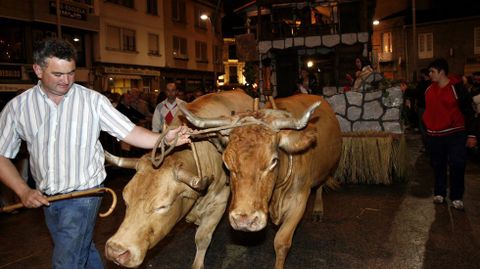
(63, 140)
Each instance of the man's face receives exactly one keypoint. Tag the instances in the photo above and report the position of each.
(171, 91)
(476, 80)
(434, 74)
(57, 77)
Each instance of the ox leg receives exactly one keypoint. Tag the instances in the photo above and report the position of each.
(317, 214)
(283, 238)
(208, 223)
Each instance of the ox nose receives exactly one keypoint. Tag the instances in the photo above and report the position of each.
(117, 253)
(248, 222)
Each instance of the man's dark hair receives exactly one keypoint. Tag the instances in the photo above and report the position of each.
(439, 64)
(53, 47)
(424, 71)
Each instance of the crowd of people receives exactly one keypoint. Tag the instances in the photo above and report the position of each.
(445, 109)
(61, 123)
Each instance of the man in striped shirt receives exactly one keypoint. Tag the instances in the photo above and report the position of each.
(61, 123)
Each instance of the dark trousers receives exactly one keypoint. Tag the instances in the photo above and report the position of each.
(448, 152)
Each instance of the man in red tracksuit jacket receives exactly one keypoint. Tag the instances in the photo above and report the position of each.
(448, 119)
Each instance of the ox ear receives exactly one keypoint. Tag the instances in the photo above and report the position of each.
(193, 181)
(293, 141)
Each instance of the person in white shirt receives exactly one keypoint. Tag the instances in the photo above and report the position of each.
(166, 110)
(61, 123)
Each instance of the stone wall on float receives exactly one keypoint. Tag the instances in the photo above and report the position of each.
(367, 111)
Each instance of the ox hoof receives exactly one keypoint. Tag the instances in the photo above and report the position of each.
(317, 216)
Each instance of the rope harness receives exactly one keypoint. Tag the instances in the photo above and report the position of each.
(165, 148)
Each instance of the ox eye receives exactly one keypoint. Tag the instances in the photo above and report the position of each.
(161, 209)
(273, 163)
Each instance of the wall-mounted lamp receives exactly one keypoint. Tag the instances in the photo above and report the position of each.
(76, 39)
(376, 22)
(309, 63)
(204, 17)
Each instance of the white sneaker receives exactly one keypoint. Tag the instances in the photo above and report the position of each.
(438, 199)
(457, 204)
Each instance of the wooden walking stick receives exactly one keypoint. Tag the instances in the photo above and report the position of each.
(72, 195)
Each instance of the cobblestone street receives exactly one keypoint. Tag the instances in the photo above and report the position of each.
(365, 226)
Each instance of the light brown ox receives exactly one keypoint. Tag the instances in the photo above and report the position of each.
(258, 159)
(157, 199)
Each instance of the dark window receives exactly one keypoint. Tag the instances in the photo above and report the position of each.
(232, 52)
(199, 23)
(153, 46)
(179, 10)
(201, 51)
(11, 44)
(180, 47)
(129, 40)
(125, 3)
(152, 7)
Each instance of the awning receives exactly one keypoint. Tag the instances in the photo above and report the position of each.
(117, 76)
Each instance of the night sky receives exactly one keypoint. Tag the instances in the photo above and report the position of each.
(231, 23)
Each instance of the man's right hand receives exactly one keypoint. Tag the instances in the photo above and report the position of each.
(33, 198)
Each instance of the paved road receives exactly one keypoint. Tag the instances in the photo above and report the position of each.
(384, 227)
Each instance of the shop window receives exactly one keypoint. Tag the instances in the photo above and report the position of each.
(152, 7)
(180, 47)
(476, 38)
(425, 46)
(387, 42)
(125, 3)
(12, 45)
(179, 10)
(201, 51)
(153, 45)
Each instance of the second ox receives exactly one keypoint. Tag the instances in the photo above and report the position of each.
(158, 198)
(275, 160)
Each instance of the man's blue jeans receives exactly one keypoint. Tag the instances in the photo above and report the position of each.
(71, 224)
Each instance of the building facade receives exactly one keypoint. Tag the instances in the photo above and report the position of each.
(122, 44)
(401, 48)
(22, 23)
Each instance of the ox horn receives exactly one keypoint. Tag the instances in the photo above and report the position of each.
(294, 123)
(204, 122)
(121, 161)
(193, 181)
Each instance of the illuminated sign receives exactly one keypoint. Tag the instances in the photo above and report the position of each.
(69, 11)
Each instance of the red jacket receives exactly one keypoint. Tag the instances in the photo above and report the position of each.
(442, 115)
